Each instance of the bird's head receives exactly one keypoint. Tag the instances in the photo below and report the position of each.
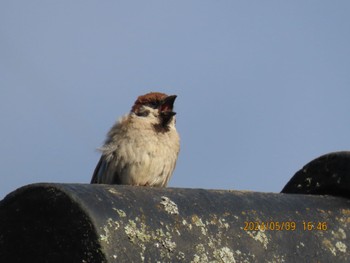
(156, 105)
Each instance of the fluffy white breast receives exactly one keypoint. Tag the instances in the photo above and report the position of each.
(141, 154)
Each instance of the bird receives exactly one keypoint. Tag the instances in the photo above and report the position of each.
(142, 147)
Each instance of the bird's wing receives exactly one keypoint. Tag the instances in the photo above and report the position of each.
(106, 172)
(96, 177)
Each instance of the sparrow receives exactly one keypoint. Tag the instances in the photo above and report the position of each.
(142, 147)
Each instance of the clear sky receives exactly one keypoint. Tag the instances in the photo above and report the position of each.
(263, 86)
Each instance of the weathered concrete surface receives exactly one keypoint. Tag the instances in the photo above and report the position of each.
(111, 223)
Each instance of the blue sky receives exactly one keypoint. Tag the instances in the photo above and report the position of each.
(263, 86)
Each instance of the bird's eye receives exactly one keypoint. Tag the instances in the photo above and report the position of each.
(153, 104)
(142, 113)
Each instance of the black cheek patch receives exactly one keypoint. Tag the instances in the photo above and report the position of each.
(143, 113)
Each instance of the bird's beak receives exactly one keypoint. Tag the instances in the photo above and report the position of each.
(168, 104)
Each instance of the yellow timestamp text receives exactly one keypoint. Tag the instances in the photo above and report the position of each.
(309, 226)
(284, 226)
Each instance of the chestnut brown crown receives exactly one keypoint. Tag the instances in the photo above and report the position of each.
(154, 100)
